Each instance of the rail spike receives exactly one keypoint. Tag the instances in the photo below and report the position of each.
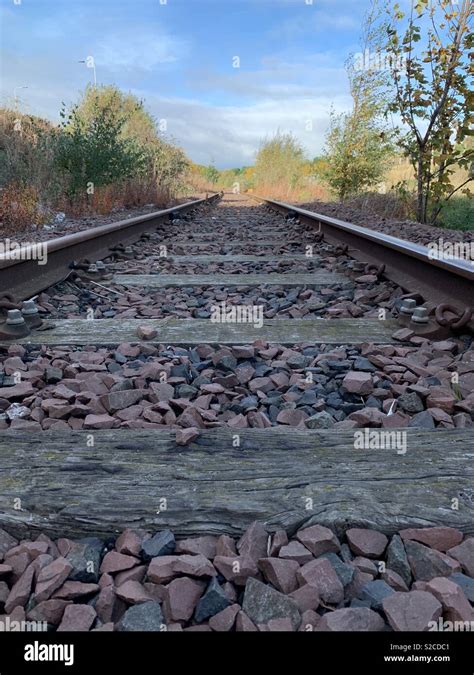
(451, 317)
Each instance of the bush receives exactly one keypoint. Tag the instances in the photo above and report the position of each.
(458, 214)
(107, 153)
(20, 208)
(93, 153)
(279, 165)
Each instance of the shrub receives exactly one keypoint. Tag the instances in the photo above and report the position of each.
(20, 208)
(458, 214)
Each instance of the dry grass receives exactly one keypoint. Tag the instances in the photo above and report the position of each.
(198, 184)
(20, 208)
(301, 193)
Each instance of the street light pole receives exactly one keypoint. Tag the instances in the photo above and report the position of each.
(15, 95)
(90, 63)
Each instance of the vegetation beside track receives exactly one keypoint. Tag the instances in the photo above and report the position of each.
(108, 152)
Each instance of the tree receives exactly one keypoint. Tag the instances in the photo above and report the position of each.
(279, 162)
(110, 137)
(212, 174)
(431, 50)
(359, 142)
(137, 123)
(93, 149)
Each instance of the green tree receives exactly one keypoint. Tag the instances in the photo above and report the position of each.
(109, 137)
(431, 55)
(359, 142)
(93, 149)
(212, 174)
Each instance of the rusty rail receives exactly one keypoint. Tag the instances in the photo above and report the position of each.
(24, 277)
(409, 265)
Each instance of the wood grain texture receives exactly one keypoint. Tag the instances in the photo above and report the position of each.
(285, 478)
(194, 331)
(320, 278)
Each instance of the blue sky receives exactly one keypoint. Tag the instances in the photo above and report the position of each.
(178, 56)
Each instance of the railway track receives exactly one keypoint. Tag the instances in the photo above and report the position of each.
(238, 365)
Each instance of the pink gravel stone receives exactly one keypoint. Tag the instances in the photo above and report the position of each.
(306, 597)
(132, 592)
(71, 590)
(296, 551)
(394, 580)
(254, 542)
(77, 618)
(129, 543)
(50, 611)
(225, 546)
(320, 574)
(244, 625)
(106, 604)
(412, 611)
(161, 569)
(18, 391)
(455, 604)
(51, 578)
(440, 538)
(279, 539)
(365, 565)
(194, 566)
(146, 332)
(280, 573)
(99, 422)
(318, 540)
(182, 597)
(223, 621)
(133, 574)
(464, 554)
(205, 545)
(117, 562)
(292, 417)
(187, 436)
(236, 568)
(358, 383)
(309, 621)
(21, 590)
(351, 619)
(367, 543)
(282, 625)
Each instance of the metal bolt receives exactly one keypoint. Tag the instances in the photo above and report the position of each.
(100, 265)
(408, 306)
(29, 308)
(420, 315)
(92, 269)
(14, 317)
(128, 249)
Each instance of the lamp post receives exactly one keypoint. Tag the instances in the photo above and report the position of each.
(90, 63)
(15, 95)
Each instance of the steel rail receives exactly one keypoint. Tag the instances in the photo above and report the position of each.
(24, 277)
(407, 264)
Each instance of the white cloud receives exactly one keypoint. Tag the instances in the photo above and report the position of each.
(143, 50)
(315, 21)
(230, 136)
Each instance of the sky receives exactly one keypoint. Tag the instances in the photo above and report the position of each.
(223, 74)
